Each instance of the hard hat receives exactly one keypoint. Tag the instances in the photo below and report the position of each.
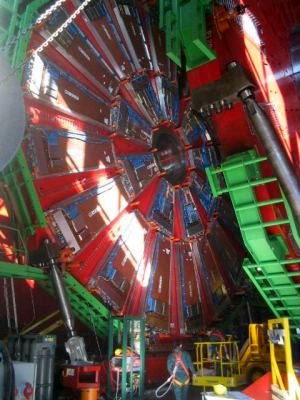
(118, 352)
(220, 389)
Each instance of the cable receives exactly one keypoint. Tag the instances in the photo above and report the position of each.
(159, 396)
(33, 307)
(117, 391)
(113, 381)
(96, 337)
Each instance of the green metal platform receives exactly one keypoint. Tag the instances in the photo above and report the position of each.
(184, 23)
(238, 176)
(85, 306)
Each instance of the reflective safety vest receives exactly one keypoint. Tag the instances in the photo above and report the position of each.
(178, 361)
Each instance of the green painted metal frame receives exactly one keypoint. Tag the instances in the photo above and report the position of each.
(125, 325)
(19, 28)
(10, 7)
(11, 270)
(20, 250)
(17, 177)
(238, 176)
(85, 306)
(184, 22)
(17, 174)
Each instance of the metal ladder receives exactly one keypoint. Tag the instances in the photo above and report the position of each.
(238, 176)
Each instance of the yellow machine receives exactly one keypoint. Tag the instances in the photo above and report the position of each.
(229, 366)
(223, 368)
(285, 383)
(255, 354)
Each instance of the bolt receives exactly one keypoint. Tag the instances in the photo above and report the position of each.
(218, 107)
(245, 94)
(232, 65)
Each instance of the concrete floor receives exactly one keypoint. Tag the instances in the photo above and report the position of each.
(194, 394)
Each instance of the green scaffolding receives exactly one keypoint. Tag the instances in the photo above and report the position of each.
(184, 23)
(127, 333)
(86, 307)
(238, 176)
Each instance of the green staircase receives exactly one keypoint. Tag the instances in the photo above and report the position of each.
(238, 176)
(184, 23)
(85, 306)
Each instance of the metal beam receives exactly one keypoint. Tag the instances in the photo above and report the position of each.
(85, 306)
(12, 270)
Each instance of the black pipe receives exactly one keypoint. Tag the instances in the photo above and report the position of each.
(281, 164)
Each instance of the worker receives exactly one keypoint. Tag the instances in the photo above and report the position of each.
(214, 336)
(217, 350)
(129, 352)
(180, 365)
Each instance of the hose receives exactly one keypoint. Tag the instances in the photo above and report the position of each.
(159, 396)
(118, 379)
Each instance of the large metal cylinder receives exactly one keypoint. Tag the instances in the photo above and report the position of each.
(281, 164)
(89, 394)
(64, 305)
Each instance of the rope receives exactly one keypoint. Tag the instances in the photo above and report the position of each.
(96, 337)
(159, 396)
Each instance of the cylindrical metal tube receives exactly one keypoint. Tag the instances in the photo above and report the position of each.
(89, 394)
(281, 164)
(64, 305)
(48, 392)
(41, 360)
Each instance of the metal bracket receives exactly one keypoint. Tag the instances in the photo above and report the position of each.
(235, 86)
(222, 93)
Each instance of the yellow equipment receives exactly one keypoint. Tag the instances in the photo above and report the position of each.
(224, 368)
(285, 384)
(231, 367)
(255, 353)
